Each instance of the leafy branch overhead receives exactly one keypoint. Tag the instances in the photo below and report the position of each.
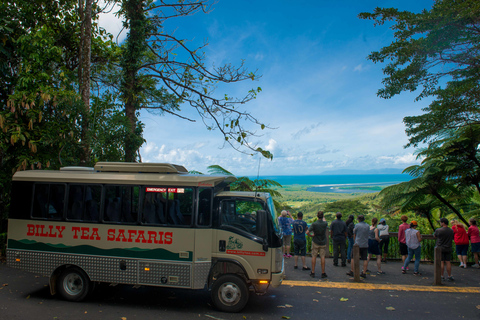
(171, 75)
(435, 53)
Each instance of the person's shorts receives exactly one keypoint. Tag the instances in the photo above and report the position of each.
(363, 253)
(316, 249)
(373, 247)
(403, 249)
(300, 247)
(475, 247)
(462, 249)
(446, 256)
(384, 243)
(287, 240)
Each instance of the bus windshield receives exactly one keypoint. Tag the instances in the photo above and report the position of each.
(271, 208)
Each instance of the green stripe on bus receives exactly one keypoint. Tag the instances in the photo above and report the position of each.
(157, 254)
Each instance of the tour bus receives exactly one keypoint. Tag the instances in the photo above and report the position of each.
(144, 224)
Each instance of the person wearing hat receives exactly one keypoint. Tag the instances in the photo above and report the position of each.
(384, 238)
(413, 238)
(444, 236)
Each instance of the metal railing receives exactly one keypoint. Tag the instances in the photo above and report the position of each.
(428, 248)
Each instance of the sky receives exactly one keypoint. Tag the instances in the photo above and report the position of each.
(319, 91)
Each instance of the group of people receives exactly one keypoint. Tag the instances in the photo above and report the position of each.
(372, 240)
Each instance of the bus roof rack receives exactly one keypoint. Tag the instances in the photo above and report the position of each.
(76, 169)
(139, 167)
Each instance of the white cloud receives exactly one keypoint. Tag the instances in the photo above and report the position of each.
(111, 23)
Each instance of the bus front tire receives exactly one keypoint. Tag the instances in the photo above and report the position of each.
(73, 284)
(230, 293)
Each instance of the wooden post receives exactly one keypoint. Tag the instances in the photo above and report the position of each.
(356, 263)
(437, 265)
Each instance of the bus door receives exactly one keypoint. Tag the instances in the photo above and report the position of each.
(236, 238)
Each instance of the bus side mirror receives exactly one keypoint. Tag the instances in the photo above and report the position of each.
(262, 227)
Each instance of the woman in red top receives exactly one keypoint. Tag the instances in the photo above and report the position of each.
(461, 241)
(474, 236)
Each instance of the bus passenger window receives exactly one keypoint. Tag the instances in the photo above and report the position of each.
(204, 207)
(75, 202)
(180, 206)
(241, 214)
(154, 205)
(49, 201)
(121, 204)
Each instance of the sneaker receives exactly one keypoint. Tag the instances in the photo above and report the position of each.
(289, 255)
(475, 265)
(306, 268)
(417, 274)
(295, 267)
(312, 274)
(324, 275)
(350, 273)
(450, 279)
(461, 265)
(404, 271)
(380, 272)
(403, 268)
(408, 268)
(363, 275)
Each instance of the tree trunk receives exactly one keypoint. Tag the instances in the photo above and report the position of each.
(85, 50)
(445, 202)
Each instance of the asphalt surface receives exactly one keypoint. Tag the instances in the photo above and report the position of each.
(469, 277)
(394, 296)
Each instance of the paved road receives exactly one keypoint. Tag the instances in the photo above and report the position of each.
(26, 296)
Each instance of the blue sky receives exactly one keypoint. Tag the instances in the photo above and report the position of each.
(318, 89)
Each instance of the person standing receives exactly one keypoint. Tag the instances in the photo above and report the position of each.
(401, 238)
(360, 234)
(350, 225)
(384, 238)
(373, 245)
(318, 231)
(338, 233)
(474, 236)
(460, 238)
(413, 238)
(299, 242)
(285, 221)
(444, 236)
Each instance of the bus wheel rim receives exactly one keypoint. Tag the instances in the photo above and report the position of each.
(229, 293)
(73, 284)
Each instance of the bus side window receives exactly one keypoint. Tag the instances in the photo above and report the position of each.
(121, 204)
(49, 201)
(93, 196)
(75, 202)
(204, 207)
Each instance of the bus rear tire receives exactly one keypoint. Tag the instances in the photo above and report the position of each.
(73, 284)
(230, 293)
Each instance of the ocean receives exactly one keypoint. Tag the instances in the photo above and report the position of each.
(348, 183)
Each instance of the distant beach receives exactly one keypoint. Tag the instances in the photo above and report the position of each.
(355, 183)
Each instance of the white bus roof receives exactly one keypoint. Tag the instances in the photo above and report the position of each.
(125, 173)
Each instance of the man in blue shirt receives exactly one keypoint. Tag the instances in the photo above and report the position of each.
(299, 242)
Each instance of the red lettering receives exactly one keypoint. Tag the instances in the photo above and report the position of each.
(130, 233)
(51, 233)
(121, 236)
(152, 235)
(85, 232)
(60, 230)
(111, 235)
(30, 229)
(168, 237)
(75, 229)
(37, 227)
(160, 241)
(141, 236)
(95, 233)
